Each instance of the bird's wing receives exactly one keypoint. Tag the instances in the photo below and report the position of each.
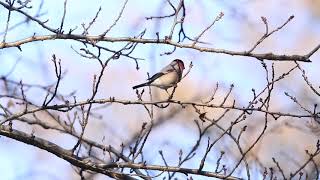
(169, 68)
(156, 76)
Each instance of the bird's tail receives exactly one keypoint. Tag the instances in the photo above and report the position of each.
(140, 85)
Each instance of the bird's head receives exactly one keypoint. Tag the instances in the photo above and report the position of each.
(179, 63)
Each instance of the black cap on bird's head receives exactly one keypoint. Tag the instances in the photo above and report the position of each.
(180, 63)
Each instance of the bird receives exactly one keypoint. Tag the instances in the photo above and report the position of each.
(168, 77)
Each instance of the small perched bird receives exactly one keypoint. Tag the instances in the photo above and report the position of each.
(168, 77)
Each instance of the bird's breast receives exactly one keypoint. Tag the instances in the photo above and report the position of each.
(167, 80)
